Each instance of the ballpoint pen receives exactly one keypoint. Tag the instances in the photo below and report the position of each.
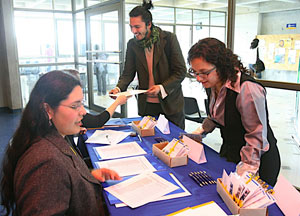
(139, 137)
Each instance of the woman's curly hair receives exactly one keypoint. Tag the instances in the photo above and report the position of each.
(215, 52)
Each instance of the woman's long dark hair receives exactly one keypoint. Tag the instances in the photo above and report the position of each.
(215, 52)
(51, 88)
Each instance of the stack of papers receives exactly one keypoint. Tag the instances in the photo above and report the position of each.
(118, 151)
(141, 189)
(109, 137)
(128, 166)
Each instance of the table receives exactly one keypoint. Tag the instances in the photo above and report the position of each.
(214, 166)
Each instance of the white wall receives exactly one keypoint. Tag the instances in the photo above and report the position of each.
(275, 23)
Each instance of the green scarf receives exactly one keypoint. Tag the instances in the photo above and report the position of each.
(148, 42)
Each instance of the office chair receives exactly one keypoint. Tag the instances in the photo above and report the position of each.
(191, 110)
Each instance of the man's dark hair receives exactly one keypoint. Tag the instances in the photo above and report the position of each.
(143, 10)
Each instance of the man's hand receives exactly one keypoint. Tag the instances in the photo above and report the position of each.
(153, 91)
(114, 91)
(105, 174)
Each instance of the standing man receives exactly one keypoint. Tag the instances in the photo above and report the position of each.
(100, 70)
(156, 57)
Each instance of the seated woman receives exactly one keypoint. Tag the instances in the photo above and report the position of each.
(42, 174)
(237, 104)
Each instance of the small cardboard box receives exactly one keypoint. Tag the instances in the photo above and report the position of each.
(234, 208)
(171, 162)
(142, 132)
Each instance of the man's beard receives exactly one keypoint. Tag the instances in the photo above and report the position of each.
(147, 32)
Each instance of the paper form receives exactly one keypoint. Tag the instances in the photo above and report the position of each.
(128, 166)
(141, 189)
(109, 137)
(129, 93)
(120, 150)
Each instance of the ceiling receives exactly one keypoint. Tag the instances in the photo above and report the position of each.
(243, 6)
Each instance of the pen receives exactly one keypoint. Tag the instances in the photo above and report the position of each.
(203, 180)
(139, 137)
(195, 179)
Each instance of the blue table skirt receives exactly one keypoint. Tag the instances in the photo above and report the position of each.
(214, 167)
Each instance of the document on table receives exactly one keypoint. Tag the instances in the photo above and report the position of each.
(109, 137)
(128, 166)
(118, 151)
(141, 189)
(206, 209)
(129, 93)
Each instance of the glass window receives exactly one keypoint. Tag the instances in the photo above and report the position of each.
(218, 32)
(169, 28)
(217, 18)
(128, 8)
(63, 5)
(65, 42)
(35, 37)
(183, 16)
(163, 15)
(79, 4)
(200, 32)
(46, 4)
(183, 35)
(200, 17)
(81, 39)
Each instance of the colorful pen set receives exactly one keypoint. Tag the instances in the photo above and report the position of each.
(202, 178)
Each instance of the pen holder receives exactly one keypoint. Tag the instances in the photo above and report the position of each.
(234, 208)
(142, 132)
(171, 162)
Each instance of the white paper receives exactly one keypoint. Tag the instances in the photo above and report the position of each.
(206, 209)
(109, 137)
(129, 93)
(166, 197)
(120, 150)
(141, 189)
(196, 152)
(128, 166)
(163, 124)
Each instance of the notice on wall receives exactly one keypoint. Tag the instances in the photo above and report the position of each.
(292, 57)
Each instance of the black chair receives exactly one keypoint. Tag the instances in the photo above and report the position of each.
(191, 110)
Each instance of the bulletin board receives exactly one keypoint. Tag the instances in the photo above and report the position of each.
(280, 52)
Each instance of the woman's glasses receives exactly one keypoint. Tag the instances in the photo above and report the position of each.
(75, 106)
(193, 73)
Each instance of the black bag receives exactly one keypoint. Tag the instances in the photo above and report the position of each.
(259, 65)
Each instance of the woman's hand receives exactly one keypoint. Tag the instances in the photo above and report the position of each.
(104, 174)
(122, 99)
(199, 130)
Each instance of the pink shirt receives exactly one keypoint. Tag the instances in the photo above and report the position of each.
(149, 58)
(250, 102)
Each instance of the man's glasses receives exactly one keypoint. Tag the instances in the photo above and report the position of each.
(75, 106)
(193, 73)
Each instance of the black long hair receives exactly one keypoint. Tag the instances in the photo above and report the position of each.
(215, 52)
(143, 11)
(51, 88)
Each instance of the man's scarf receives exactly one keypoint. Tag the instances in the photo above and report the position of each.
(148, 42)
